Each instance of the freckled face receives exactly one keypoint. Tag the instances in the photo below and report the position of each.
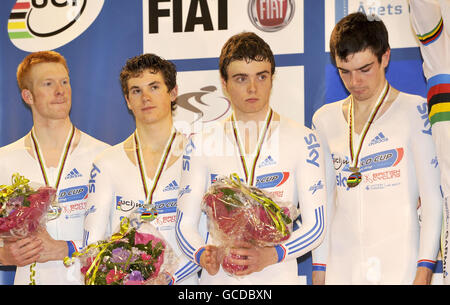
(50, 94)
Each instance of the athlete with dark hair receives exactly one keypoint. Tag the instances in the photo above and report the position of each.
(382, 161)
(259, 145)
(143, 172)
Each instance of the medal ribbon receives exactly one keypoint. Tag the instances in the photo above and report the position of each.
(41, 161)
(354, 157)
(62, 160)
(262, 135)
(162, 162)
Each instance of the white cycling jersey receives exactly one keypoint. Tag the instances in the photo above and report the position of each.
(431, 22)
(116, 190)
(375, 236)
(290, 167)
(72, 195)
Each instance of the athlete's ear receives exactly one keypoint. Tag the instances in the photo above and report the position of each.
(224, 86)
(174, 93)
(27, 96)
(385, 58)
(128, 103)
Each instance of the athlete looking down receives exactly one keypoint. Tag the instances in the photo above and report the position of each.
(255, 142)
(383, 163)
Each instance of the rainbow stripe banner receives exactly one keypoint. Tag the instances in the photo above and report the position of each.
(17, 27)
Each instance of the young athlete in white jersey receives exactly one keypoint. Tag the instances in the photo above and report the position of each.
(53, 153)
(431, 22)
(384, 161)
(145, 168)
(266, 150)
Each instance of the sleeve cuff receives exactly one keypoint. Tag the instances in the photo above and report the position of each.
(71, 247)
(427, 263)
(319, 267)
(281, 252)
(198, 254)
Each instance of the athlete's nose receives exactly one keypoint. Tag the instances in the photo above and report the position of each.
(146, 96)
(355, 79)
(59, 89)
(251, 85)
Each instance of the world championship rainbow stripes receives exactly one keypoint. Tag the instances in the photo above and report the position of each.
(433, 35)
(17, 27)
(438, 98)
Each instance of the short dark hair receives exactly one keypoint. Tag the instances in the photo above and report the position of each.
(358, 32)
(244, 46)
(137, 65)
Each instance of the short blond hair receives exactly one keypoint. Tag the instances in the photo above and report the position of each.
(24, 68)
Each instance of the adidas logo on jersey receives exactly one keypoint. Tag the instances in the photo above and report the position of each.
(73, 174)
(173, 186)
(378, 139)
(268, 161)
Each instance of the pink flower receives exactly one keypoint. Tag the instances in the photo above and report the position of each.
(114, 276)
(146, 257)
(86, 267)
(158, 264)
(144, 238)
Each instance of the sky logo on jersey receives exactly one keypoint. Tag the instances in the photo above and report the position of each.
(186, 157)
(312, 143)
(29, 28)
(267, 162)
(173, 186)
(378, 139)
(382, 159)
(341, 181)
(74, 173)
(423, 112)
(166, 206)
(271, 180)
(94, 171)
(73, 193)
(127, 205)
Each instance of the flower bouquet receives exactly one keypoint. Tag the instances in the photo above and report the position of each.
(134, 256)
(24, 208)
(239, 213)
